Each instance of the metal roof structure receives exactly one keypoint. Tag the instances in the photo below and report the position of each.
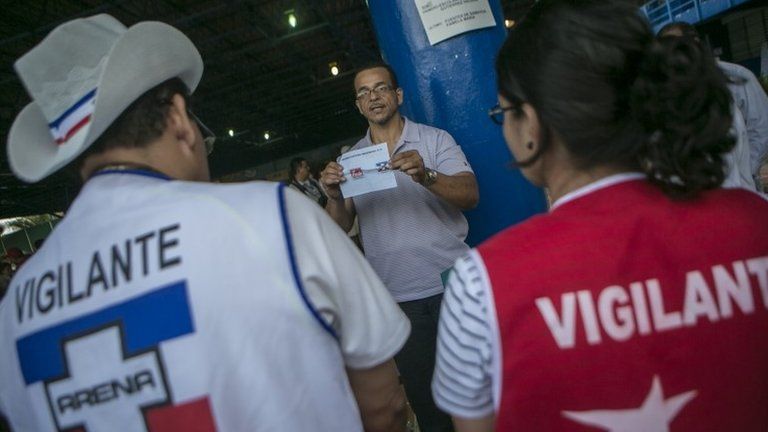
(261, 75)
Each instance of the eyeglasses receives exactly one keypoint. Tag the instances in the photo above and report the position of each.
(379, 90)
(497, 113)
(209, 138)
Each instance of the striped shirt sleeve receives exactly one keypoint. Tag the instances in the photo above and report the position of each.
(463, 383)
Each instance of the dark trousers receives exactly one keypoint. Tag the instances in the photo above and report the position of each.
(416, 363)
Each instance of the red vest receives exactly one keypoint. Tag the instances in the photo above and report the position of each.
(624, 310)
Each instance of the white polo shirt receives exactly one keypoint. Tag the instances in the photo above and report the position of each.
(411, 235)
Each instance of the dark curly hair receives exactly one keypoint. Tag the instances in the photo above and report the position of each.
(616, 97)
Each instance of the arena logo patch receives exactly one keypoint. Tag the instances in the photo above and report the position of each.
(104, 369)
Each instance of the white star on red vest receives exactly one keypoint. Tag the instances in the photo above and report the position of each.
(654, 415)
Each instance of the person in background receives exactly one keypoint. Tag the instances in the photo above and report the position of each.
(748, 95)
(124, 320)
(15, 257)
(411, 233)
(300, 178)
(639, 302)
(6, 272)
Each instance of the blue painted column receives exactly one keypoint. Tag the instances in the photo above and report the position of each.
(451, 85)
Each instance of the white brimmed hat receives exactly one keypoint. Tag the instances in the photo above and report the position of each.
(81, 77)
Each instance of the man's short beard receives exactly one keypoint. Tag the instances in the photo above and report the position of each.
(385, 120)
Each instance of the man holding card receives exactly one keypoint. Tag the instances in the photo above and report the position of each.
(412, 232)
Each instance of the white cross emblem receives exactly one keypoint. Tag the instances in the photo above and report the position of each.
(104, 390)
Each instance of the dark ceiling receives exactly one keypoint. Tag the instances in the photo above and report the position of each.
(260, 75)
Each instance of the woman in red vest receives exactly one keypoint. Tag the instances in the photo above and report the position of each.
(640, 301)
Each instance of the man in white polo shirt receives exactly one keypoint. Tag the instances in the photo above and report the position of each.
(411, 233)
(123, 320)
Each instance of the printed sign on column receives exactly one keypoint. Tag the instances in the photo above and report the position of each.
(443, 19)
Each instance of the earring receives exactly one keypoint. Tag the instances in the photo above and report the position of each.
(529, 145)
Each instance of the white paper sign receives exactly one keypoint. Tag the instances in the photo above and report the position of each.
(366, 170)
(443, 19)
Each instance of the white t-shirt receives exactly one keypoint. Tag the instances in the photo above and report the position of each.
(164, 304)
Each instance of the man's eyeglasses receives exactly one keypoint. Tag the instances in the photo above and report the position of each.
(497, 113)
(209, 138)
(379, 90)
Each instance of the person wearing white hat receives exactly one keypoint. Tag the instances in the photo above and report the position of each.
(123, 320)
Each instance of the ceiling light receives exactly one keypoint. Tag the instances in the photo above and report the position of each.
(292, 21)
(231, 132)
(266, 135)
(508, 23)
(334, 68)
